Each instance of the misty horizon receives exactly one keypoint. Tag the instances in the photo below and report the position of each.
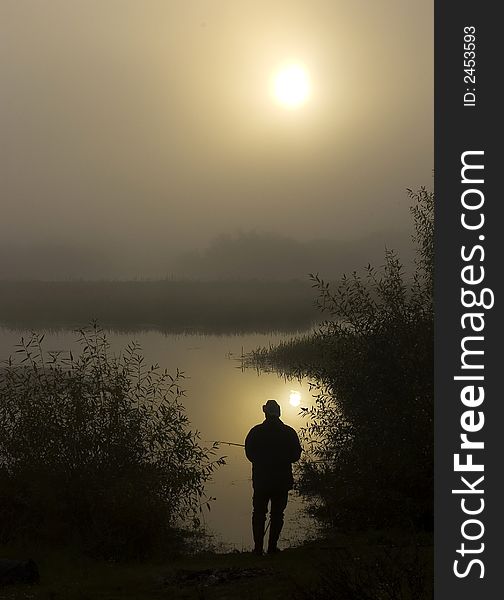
(239, 256)
(133, 136)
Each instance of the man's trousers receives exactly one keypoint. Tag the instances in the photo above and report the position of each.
(262, 497)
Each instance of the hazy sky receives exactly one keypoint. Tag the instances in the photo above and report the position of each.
(132, 130)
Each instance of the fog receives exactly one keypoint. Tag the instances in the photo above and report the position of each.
(140, 139)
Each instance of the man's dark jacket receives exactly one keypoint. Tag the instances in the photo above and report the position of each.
(272, 447)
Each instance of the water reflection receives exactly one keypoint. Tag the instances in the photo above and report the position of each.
(223, 402)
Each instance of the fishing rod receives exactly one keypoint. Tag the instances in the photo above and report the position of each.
(268, 522)
(227, 443)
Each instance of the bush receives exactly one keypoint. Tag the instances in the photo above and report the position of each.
(96, 450)
(370, 432)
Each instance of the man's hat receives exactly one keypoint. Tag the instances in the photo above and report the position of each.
(271, 408)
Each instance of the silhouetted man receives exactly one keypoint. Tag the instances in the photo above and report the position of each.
(271, 447)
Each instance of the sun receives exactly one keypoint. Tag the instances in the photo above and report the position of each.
(292, 86)
(295, 398)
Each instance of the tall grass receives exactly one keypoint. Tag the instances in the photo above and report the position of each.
(297, 357)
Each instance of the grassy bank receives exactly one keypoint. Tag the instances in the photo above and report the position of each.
(301, 573)
(171, 306)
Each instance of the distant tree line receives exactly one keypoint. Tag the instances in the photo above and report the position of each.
(262, 255)
(243, 255)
